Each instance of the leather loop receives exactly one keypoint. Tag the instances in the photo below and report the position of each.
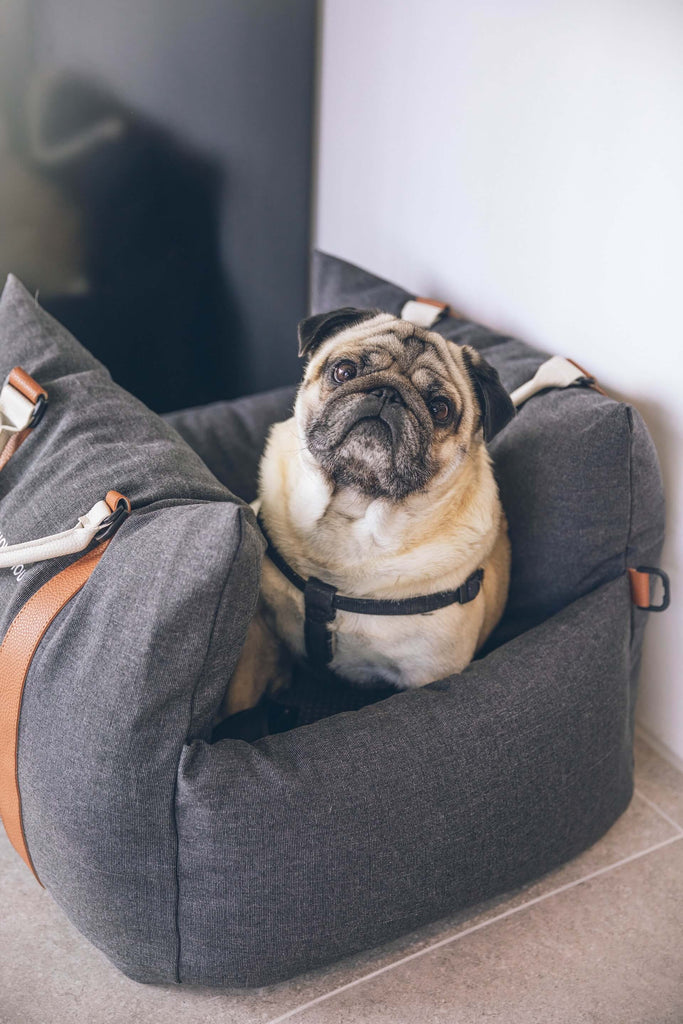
(16, 654)
(592, 382)
(114, 500)
(640, 588)
(441, 306)
(24, 383)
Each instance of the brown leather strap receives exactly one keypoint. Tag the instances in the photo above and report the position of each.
(114, 498)
(12, 445)
(443, 306)
(594, 384)
(16, 654)
(24, 383)
(640, 588)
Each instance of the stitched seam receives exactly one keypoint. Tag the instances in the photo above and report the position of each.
(219, 602)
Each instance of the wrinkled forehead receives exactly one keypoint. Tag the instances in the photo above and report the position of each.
(387, 341)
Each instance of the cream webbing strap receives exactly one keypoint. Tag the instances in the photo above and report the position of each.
(16, 654)
(554, 373)
(424, 312)
(69, 542)
(22, 403)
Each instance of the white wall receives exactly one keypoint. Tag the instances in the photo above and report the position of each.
(524, 160)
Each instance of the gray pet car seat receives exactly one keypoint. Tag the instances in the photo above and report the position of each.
(236, 863)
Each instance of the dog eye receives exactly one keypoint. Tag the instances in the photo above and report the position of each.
(440, 409)
(343, 371)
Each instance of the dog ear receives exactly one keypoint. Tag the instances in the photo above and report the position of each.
(495, 403)
(315, 329)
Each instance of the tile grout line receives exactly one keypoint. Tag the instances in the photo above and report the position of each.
(474, 928)
(655, 807)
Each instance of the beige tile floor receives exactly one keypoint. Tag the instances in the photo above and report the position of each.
(598, 941)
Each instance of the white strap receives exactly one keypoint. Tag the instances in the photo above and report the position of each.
(16, 412)
(554, 373)
(66, 543)
(423, 312)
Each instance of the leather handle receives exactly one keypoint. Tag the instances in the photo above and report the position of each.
(16, 654)
(15, 441)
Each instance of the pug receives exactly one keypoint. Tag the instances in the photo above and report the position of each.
(378, 496)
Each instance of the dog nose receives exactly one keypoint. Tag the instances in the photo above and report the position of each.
(389, 394)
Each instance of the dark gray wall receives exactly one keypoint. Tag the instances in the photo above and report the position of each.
(184, 234)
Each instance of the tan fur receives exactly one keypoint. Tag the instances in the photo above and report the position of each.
(430, 540)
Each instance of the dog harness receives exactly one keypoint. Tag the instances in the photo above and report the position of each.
(322, 602)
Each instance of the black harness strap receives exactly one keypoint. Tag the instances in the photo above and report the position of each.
(319, 607)
(322, 602)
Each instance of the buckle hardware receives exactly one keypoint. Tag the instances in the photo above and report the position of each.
(666, 596)
(319, 601)
(111, 524)
(38, 411)
(468, 590)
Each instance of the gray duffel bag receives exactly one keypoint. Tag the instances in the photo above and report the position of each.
(235, 863)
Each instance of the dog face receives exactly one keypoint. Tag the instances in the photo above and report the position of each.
(387, 407)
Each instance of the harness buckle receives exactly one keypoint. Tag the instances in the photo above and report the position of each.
(468, 590)
(319, 608)
(38, 411)
(650, 570)
(111, 524)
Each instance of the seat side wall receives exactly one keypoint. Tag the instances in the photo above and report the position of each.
(314, 844)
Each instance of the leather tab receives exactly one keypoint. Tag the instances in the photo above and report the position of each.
(24, 383)
(640, 588)
(441, 306)
(16, 654)
(592, 382)
(114, 499)
(319, 606)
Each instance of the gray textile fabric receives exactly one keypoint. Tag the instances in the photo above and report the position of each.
(235, 864)
(336, 836)
(138, 661)
(230, 436)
